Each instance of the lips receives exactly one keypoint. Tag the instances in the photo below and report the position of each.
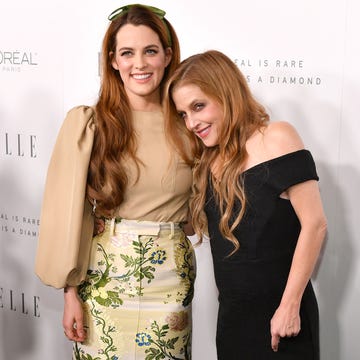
(203, 132)
(141, 76)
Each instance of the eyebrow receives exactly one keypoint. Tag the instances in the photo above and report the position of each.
(191, 104)
(146, 47)
(195, 101)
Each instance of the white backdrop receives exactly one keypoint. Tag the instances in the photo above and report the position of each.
(301, 59)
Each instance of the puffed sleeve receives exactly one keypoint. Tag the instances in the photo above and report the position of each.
(66, 222)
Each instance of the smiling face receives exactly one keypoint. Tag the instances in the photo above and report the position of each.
(202, 115)
(141, 61)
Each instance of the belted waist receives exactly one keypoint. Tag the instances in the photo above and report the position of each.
(138, 227)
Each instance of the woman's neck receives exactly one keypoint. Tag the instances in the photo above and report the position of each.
(149, 103)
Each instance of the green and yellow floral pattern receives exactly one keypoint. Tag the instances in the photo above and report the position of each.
(137, 297)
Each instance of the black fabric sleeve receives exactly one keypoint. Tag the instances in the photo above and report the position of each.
(291, 169)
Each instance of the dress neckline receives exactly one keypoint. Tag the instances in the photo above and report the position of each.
(275, 159)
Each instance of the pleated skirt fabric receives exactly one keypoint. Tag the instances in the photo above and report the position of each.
(137, 294)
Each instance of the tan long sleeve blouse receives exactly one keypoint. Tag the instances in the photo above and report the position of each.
(66, 222)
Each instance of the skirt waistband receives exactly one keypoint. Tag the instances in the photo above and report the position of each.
(137, 227)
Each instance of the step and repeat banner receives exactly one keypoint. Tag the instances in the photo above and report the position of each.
(300, 59)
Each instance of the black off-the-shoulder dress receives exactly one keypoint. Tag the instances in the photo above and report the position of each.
(251, 282)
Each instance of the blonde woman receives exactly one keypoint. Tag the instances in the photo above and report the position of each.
(256, 192)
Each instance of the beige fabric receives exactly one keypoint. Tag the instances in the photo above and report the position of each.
(163, 189)
(66, 224)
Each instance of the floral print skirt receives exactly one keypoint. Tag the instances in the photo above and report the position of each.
(137, 294)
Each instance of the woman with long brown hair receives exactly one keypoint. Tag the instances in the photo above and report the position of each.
(256, 194)
(127, 290)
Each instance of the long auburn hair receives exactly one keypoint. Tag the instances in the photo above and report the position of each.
(220, 79)
(114, 138)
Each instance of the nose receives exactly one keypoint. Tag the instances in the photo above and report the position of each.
(191, 122)
(140, 62)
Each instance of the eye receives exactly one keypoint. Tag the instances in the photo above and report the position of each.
(182, 115)
(126, 53)
(198, 106)
(151, 51)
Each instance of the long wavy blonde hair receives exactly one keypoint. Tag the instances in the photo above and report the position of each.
(114, 135)
(219, 78)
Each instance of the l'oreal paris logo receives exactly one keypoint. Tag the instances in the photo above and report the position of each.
(11, 59)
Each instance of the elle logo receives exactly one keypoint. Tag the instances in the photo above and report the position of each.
(9, 300)
(20, 145)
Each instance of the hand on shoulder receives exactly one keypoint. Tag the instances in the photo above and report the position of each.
(280, 138)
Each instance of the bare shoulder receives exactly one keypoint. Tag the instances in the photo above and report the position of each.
(281, 138)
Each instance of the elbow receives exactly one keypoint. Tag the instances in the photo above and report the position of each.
(322, 228)
(316, 229)
(323, 223)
